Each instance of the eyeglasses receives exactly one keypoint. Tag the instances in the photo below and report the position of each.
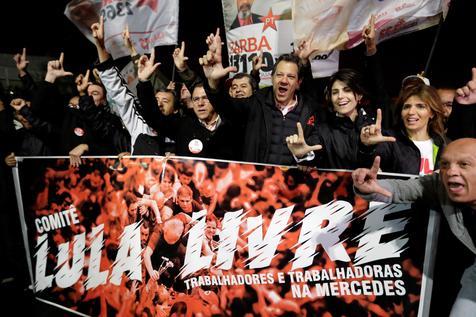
(198, 98)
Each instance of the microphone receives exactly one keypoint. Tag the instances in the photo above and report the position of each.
(167, 261)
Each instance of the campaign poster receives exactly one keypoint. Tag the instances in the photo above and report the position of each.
(339, 23)
(151, 22)
(154, 236)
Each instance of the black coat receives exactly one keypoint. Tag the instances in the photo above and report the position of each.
(255, 18)
(106, 128)
(23, 142)
(462, 121)
(402, 156)
(185, 127)
(88, 124)
(340, 138)
(255, 114)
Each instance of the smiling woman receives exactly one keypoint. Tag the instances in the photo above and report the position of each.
(419, 133)
(339, 135)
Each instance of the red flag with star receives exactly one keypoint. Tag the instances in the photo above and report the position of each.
(269, 20)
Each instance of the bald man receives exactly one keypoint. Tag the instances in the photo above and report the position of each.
(452, 191)
(167, 242)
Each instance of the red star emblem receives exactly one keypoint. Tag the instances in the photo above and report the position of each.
(150, 3)
(311, 120)
(269, 20)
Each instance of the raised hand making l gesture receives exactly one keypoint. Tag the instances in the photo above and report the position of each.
(466, 95)
(368, 34)
(56, 70)
(257, 62)
(180, 60)
(82, 83)
(212, 61)
(305, 49)
(214, 45)
(365, 180)
(97, 30)
(126, 37)
(297, 144)
(146, 66)
(21, 62)
(372, 134)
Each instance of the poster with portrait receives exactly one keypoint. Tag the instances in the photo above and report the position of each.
(338, 24)
(157, 236)
(258, 26)
(151, 22)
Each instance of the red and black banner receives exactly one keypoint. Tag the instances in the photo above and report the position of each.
(159, 237)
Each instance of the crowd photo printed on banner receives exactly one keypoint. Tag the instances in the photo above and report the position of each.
(157, 236)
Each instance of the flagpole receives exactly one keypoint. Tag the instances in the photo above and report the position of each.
(432, 51)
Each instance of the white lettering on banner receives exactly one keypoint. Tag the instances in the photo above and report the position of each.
(42, 281)
(151, 22)
(128, 259)
(314, 233)
(229, 237)
(370, 249)
(95, 277)
(128, 256)
(261, 250)
(66, 275)
(57, 220)
(322, 225)
(193, 259)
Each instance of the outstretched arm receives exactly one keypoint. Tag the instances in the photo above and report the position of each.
(21, 62)
(375, 76)
(368, 34)
(98, 35)
(395, 190)
(187, 75)
(365, 180)
(212, 62)
(122, 100)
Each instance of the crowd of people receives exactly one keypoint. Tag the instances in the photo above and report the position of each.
(161, 194)
(225, 119)
(233, 119)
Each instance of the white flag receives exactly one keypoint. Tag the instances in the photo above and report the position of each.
(339, 23)
(151, 22)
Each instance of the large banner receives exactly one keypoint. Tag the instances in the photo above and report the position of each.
(254, 26)
(339, 23)
(155, 236)
(151, 22)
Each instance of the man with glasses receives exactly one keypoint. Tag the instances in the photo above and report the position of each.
(199, 131)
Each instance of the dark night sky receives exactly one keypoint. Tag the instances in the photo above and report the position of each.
(46, 31)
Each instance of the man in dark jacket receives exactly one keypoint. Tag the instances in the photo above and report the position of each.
(272, 113)
(198, 132)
